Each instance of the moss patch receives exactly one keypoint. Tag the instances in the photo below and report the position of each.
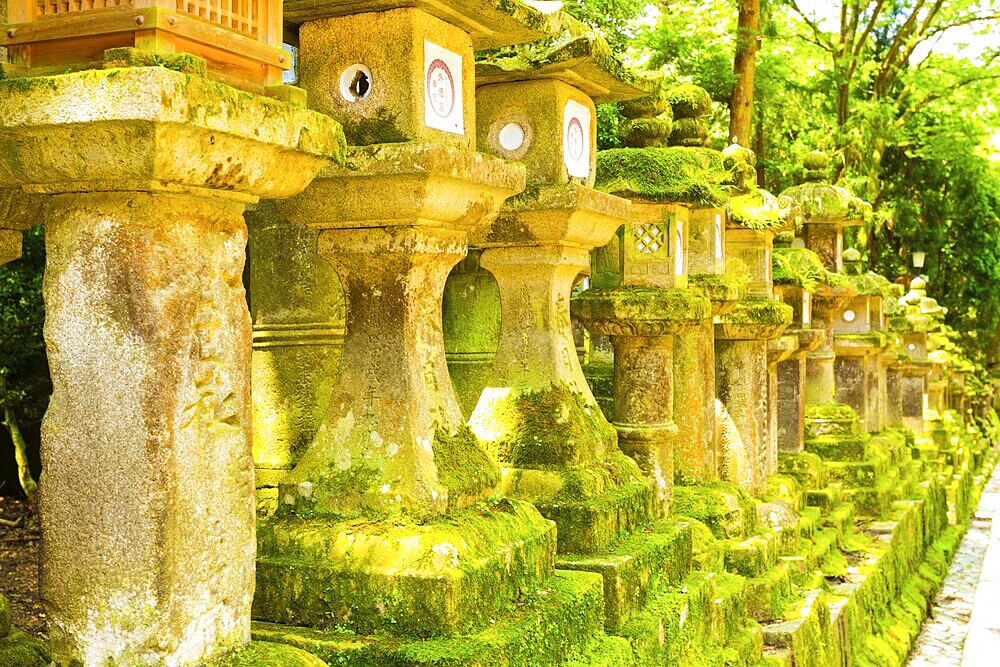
(682, 175)
(19, 649)
(725, 508)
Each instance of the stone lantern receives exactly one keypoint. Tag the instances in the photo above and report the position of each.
(912, 370)
(827, 209)
(639, 296)
(698, 456)
(141, 175)
(378, 503)
(742, 370)
(858, 342)
(799, 273)
(537, 414)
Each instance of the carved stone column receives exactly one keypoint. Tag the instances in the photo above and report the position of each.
(147, 503)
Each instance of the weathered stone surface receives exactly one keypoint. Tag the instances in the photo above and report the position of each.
(298, 311)
(150, 128)
(491, 23)
(393, 103)
(148, 339)
(540, 109)
(147, 335)
(394, 437)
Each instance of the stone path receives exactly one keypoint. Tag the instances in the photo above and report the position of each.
(964, 627)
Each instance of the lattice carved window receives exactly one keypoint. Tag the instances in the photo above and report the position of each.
(650, 238)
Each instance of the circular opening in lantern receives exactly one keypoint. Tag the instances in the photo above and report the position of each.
(850, 316)
(911, 347)
(511, 137)
(355, 83)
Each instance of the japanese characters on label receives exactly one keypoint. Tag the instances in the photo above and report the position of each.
(443, 89)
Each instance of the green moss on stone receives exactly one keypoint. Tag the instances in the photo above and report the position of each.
(755, 310)
(682, 175)
(463, 466)
(266, 654)
(19, 649)
(4, 617)
(758, 209)
(722, 506)
(637, 305)
(689, 101)
(799, 267)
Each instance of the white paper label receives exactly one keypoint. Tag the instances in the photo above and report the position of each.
(576, 139)
(679, 248)
(806, 308)
(443, 108)
(718, 237)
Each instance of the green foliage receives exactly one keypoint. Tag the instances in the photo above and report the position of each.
(24, 376)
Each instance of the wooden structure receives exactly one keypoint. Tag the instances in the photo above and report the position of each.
(240, 40)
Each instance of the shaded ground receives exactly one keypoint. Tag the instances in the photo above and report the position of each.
(19, 539)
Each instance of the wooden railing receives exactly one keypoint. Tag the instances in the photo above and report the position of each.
(239, 39)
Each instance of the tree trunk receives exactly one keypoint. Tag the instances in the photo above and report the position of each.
(745, 67)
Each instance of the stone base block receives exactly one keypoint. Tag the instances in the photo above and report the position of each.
(849, 447)
(267, 654)
(725, 508)
(638, 567)
(551, 622)
(769, 594)
(452, 576)
(593, 507)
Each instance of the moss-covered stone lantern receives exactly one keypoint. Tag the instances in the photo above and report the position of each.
(826, 210)
(798, 274)
(639, 296)
(742, 371)
(364, 509)
(913, 370)
(858, 342)
(536, 414)
(141, 175)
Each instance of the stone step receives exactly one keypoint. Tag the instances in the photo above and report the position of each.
(875, 500)
(857, 473)
(702, 622)
(754, 556)
(594, 525)
(776, 657)
(840, 518)
(768, 595)
(826, 499)
(806, 467)
(846, 447)
(443, 577)
(637, 568)
(550, 623)
(804, 633)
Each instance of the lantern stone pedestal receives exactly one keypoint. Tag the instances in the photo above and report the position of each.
(696, 447)
(393, 453)
(146, 172)
(641, 322)
(741, 375)
(298, 311)
(820, 375)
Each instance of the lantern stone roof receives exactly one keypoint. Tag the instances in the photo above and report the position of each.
(491, 23)
(823, 202)
(576, 55)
